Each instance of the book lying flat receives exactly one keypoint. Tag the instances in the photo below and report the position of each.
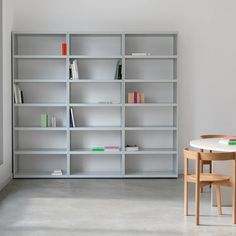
(229, 139)
(98, 149)
(111, 149)
(131, 149)
(227, 142)
(57, 172)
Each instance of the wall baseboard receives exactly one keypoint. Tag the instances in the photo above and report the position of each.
(5, 182)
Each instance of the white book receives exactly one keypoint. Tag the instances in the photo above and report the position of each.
(131, 149)
(72, 117)
(15, 94)
(19, 95)
(75, 68)
(57, 172)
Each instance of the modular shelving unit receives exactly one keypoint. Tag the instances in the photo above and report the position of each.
(102, 113)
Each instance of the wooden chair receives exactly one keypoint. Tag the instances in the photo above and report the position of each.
(209, 163)
(203, 179)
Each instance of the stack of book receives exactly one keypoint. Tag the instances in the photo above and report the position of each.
(129, 148)
(73, 70)
(18, 95)
(228, 141)
(135, 97)
(106, 149)
(57, 172)
(72, 119)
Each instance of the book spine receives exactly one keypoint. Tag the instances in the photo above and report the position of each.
(138, 97)
(142, 97)
(120, 72)
(19, 95)
(15, 94)
(76, 71)
(43, 120)
(22, 96)
(135, 97)
(72, 117)
(64, 48)
(54, 122)
(129, 97)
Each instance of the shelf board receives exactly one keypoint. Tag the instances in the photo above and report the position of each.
(40, 129)
(164, 128)
(153, 151)
(150, 81)
(151, 104)
(94, 57)
(151, 174)
(95, 81)
(38, 174)
(39, 81)
(39, 57)
(41, 151)
(151, 57)
(95, 105)
(102, 128)
(89, 151)
(97, 174)
(41, 105)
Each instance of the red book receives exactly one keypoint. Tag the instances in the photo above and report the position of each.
(135, 97)
(63, 48)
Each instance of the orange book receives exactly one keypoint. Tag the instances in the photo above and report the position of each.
(130, 97)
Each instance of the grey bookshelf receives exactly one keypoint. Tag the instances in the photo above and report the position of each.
(102, 113)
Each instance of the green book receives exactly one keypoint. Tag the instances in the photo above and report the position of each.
(43, 120)
(98, 149)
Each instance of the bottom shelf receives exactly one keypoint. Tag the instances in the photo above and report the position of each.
(38, 174)
(97, 174)
(152, 174)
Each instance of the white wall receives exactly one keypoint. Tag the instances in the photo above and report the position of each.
(207, 48)
(6, 167)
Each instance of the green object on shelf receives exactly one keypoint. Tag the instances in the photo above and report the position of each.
(98, 149)
(43, 120)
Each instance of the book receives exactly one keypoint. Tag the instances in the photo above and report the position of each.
(16, 100)
(229, 138)
(141, 97)
(57, 172)
(72, 118)
(53, 121)
(43, 120)
(111, 149)
(74, 70)
(22, 96)
(118, 73)
(98, 149)
(222, 141)
(63, 48)
(135, 97)
(131, 148)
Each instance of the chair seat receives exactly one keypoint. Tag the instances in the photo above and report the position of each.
(209, 177)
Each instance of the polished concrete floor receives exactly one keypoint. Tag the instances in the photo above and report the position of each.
(105, 207)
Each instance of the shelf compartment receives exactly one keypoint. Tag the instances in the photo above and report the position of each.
(143, 80)
(41, 151)
(94, 93)
(38, 44)
(149, 165)
(151, 174)
(157, 116)
(89, 151)
(39, 81)
(30, 116)
(97, 174)
(40, 69)
(95, 105)
(151, 139)
(84, 140)
(97, 128)
(96, 81)
(138, 69)
(153, 151)
(39, 165)
(44, 92)
(36, 139)
(161, 93)
(95, 45)
(96, 69)
(97, 116)
(40, 105)
(91, 165)
(150, 43)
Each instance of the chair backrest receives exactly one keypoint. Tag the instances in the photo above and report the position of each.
(215, 136)
(205, 156)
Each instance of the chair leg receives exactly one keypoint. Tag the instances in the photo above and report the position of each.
(218, 198)
(201, 163)
(210, 171)
(197, 203)
(185, 197)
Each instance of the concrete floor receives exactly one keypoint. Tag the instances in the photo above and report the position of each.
(105, 207)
